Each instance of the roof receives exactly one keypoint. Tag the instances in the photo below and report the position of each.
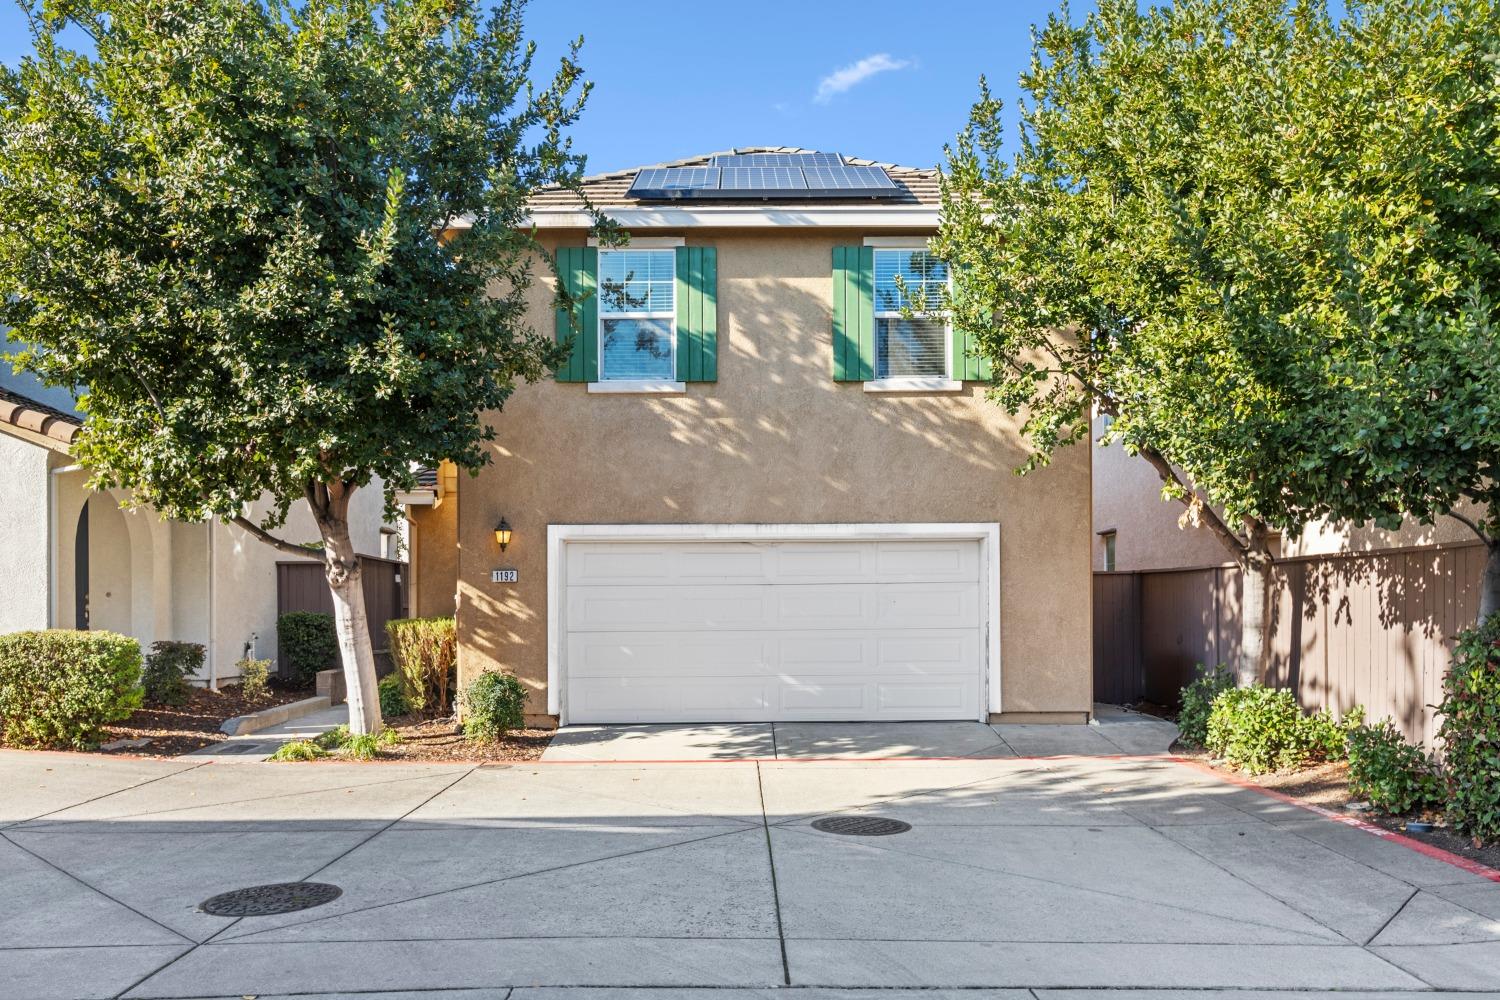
(39, 418)
(917, 186)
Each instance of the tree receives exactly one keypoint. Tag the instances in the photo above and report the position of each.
(282, 246)
(1220, 230)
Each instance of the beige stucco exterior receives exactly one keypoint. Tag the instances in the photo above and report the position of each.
(775, 440)
(433, 556)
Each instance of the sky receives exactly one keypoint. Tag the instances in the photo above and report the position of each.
(888, 81)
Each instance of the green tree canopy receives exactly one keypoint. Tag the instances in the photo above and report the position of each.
(1262, 240)
(283, 246)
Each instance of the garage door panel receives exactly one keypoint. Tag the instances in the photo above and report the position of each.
(775, 630)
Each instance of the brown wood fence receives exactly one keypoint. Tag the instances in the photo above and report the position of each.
(301, 586)
(1369, 628)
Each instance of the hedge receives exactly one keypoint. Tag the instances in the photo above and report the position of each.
(62, 687)
(425, 651)
(309, 643)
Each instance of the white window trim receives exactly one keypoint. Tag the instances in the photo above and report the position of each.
(639, 387)
(559, 535)
(601, 316)
(644, 243)
(914, 383)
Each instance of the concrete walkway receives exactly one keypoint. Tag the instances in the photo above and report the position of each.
(709, 881)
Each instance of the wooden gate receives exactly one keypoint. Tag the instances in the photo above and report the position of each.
(301, 586)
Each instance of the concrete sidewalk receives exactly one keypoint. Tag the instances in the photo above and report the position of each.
(710, 881)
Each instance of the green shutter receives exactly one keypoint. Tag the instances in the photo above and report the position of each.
(968, 364)
(697, 314)
(853, 314)
(578, 270)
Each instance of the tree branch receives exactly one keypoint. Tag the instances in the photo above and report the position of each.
(274, 542)
(1471, 525)
(1222, 531)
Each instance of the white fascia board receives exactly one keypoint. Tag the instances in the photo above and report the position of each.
(749, 217)
(646, 243)
(417, 498)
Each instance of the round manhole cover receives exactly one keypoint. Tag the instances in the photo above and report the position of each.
(265, 900)
(861, 826)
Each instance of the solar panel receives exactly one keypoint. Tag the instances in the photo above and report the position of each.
(778, 160)
(846, 179)
(669, 182)
(772, 179)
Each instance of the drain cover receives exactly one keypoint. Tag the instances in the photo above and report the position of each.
(265, 900)
(238, 748)
(860, 826)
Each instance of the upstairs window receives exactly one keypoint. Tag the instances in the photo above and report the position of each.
(637, 315)
(914, 346)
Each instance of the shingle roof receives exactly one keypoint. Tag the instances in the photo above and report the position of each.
(39, 418)
(918, 185)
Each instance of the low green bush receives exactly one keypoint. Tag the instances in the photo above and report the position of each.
(1262, 729)
(334, 739)
(393, 696)
(1391, 774)
(1198, 700)
(61, 687)
(1470, 733)
(425, 651)
(363, 747)
(298, 750)
(255, 678)
(494, 704)
(309, 643)
(168, 667)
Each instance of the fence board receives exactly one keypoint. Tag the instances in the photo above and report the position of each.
(301, 586)
(1370, 628)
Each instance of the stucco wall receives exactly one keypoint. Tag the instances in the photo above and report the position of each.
(24, 579)
(1322, 538)
(1127, 498)
(776, 440)
(434, 557)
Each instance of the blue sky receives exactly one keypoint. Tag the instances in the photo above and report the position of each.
(885, 80)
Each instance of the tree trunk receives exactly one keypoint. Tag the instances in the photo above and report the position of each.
(1489, 586)
(1255, 606)
(341, 566)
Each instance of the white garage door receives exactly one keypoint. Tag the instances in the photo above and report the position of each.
(694, 631)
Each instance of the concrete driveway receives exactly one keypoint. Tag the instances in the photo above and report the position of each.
(708, 880)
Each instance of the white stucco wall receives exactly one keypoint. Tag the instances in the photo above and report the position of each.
(24, 567)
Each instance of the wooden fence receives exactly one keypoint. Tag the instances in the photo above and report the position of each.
(301, 586)
(1374, 629)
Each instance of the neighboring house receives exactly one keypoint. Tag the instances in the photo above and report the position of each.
(757, 491)
(74, 558)
(1136, 530)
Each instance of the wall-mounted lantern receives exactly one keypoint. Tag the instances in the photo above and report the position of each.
(502, 534)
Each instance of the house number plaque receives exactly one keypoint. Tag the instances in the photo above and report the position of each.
(504, 576)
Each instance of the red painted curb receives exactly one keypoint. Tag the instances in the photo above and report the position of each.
(1436, 853)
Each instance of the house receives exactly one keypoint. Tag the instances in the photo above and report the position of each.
(759, 489)
(76, 558)
(1136, 530)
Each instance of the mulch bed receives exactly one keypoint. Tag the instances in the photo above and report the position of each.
(1326, 784)
(183, 729)
(441, 740)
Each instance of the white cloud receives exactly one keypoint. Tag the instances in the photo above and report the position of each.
(846, 77)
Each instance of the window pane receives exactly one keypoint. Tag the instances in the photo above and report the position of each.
(925, 277)
(636, 348)
(911, 347)
(637, 281)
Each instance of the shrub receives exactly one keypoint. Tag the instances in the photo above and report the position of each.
(393, 697)
(255, 678)
(494, 704)
(298, 750)
(1394, 776)
(1261, 729)
(333, 739)
(168, 668)
(1198, 699)
(309, 643)
(61, 687)
(425, 651)
(367, 746)
(1471, 732)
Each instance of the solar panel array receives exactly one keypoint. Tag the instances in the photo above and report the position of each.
(765, 175)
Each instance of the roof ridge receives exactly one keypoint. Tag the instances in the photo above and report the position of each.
(699, 159)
